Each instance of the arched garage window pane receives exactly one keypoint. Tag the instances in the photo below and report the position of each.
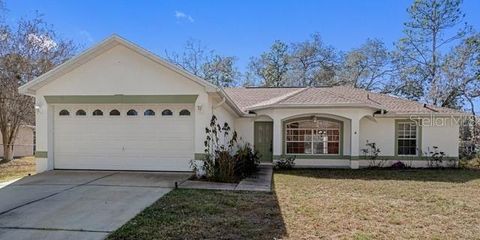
(149, 112)
(132, 112)
(64, 112)
(97, 112)
(114, 112)
(184, 112)
(167, 112)
(81, 113)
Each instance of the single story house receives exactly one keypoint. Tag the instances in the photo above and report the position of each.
(23, 145)
(117, 106)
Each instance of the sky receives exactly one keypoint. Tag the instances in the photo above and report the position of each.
(242, 28)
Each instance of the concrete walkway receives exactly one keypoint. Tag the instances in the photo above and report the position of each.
(78, 204)
(4, 184)
(260, 181)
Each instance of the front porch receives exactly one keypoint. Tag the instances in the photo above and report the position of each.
(338, 137)
(319, 138)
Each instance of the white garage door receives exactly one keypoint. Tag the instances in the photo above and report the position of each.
(141, 137)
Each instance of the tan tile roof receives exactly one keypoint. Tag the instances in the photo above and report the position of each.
(247, 97)
(255, 98)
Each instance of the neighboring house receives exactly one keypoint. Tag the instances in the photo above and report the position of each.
(119, 107)
(23, 143)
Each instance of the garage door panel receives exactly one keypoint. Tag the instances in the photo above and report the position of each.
(123, 142)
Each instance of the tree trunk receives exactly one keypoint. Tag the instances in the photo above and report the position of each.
(7, 153)
(7, 147)
(8, 141)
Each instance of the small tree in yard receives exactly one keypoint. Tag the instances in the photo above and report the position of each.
(27, 50)
(225, 160)
(219, 163)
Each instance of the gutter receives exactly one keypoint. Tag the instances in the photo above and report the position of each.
(315, 106)
(422, 115)
(231, 103)
(220, 103)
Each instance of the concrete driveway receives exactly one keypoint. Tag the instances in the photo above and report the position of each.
(78, 204)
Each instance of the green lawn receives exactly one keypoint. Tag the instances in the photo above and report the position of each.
(17, 168)
(329, 204)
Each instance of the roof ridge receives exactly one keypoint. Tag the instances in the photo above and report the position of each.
(345, 97)
(294, 93)
(368, 94)
(279, 98)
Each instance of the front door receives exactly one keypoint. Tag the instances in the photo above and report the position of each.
(263, 140)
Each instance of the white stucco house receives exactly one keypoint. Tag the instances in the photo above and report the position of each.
(117, 106)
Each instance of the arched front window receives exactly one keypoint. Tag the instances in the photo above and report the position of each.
(132, 112)
(81, 113)
(149, 112)
(184, 112)
(167, 112)
(97, 112)
(114, 112)
(64, 112)
(315, 136)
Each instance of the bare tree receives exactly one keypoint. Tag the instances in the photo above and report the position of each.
(459, 78)
(462, 86)
(313, 63)
(27, 50)
(272, 67)
(204, 63)
(367, 67)
(434, 25)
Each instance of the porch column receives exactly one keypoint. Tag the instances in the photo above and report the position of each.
(277, 138)
(355, 143)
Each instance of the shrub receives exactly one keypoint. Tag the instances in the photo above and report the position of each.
(436, 158)
(399, 165)
(468, 150)
(247, 160)
(372, 154)
(285, 162)
(225, 167)
(470, 163)
(220, 164)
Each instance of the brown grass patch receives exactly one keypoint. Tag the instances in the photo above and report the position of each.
(17, 168)
(380, 204)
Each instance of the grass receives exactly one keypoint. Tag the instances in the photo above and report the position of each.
(17, 168)
(207, 214)
(380, 204)
(323, 204)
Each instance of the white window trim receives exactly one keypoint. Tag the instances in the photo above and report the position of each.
(417, 150)
(311, 142)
